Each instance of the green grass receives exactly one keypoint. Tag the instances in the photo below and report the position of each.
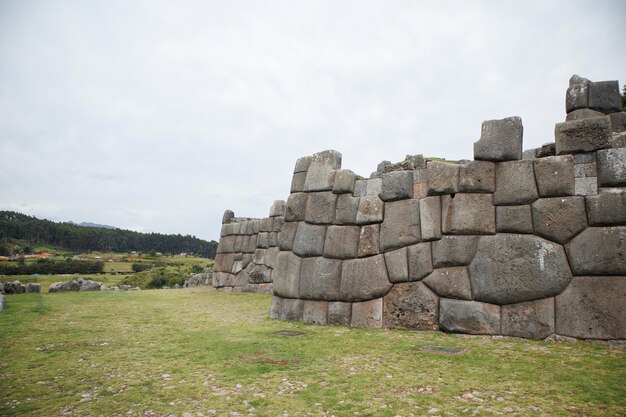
(196, 350)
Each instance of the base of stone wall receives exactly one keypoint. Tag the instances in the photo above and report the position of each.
(265, 288)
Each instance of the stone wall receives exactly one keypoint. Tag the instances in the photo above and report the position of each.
(526, 244)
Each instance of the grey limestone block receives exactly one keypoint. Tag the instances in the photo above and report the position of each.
(577, 79)
(539, 266)
(297, 182)
(559, 219)
(246, 259)
(585, 170)
(607, 209)
(577, 97)
(515, 183)
(302, 164)
(618, 121)
(292, 310)
(228, 243)
(296, 207)
(585, 158)
(245, 244)
(270, 257)
(586, 258)
(530, 320)
(583, 135)
(382, 166)
(370, 210)
(277, 209)
(347, 207)
(401, 226)
(238, 243)
(287, 275)
(321, 173)
(397, 265)
(258, 274)
(238, 256)
(228, 216)
(416, 161)
(411, 305)
(555, 175)
(529, 154)
(251, 244)
(373, 186)
(277, 225)
(342, 242)
(276, 307)
(396, 185)
(500, 140)
(320, 279)
(547, 149)
(360, 188)
(419, 175)
(259, 256)
(453, 251)
(430, 217)
(593, 307)
(263, 240)
(477, 177)
(605, 96)
(315, 312)
(339, 313)
(368, 313)
(369, 238)
(461, 316)
(364, 279)
(320, 207)
(443, 177)
(586, 186)
(582, 114)
(309, 240)
(419, 257)
(612, 167)
(221, 279)
(514, 219)
(237, 267)
(452, 282)
(344, 182)
(468, 214)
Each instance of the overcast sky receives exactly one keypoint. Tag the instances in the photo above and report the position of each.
(158, 116)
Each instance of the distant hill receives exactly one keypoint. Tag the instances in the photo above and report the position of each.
(89, 224)
(83, 238)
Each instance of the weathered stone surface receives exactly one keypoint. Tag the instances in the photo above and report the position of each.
(33, 287)
(262, 240)
(396, 185)
(559, 218)
(416, 161)
(593, 308)
(529, 154)
(513, 268)
(555, 175)
(297, 182)
(411, 305)
(586, 257)
(228, 216)
(292, 310)
(320, 279)
(360, 188)
(287, 275)
(339, 313)
(586, 186)
(373, 186)
(583, 135)
(468, 214)
(514, 219)
(270, 257)
(287, 235)
(219, 279)
(315, 312)
(577, 97)
(454, 251)
(531, 320)
(277, 209)
(477, 177)
(364, 279)
(469, 316)
(605, 96)
(607, 209)
(547, 149)
(227, 244)
(272, 239)
(401, 226)
(368, 313)
(612, 167)
(346, 210)
(344, 181)
(224, 263)
(618, 121)
(369, 238)
(309, 240)
(582, 114)
(585, 170)
(296, 207)
(342, 242)
(452, 282)
(515, 183)
(237, 267)
(277, 224)
(302, 164)
(430, 217)
(321, 173)
(500, 140)
(370, 210)
(276, 308)
(585, 158)
(258, 274)
(419, 257)
(320, 207)
(397, 265)
(443, 177)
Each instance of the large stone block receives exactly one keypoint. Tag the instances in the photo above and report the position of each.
(368, 313)
(559, 218)
(292, 310)
(320, 207)
(295, 207)
(364, 279)
(339, 313)
(500, 140)
(228, 216)
(342, 242)
(346, 210)
(430, 217)
(513, 268)
(583, 135)
(586, 186)
(612, 167)
(370, 210)
(287, 275)
(297, 182)
(618, 121)
(401, 226)
(369, 238)
(443, 177)
(547, 149)
(452, 282)
(461, 316)
(278, 208)
(468, 214)
(477, 177)
(258, 274)
(593, 308)
(360, 188)
(598, 251)
(309, 240)
(585, 170)
(270, 257)
(582, 114)
(396, 185)
(411, 305)
(555, 175)
(514, 219)
(531, 320)
(321, 173)
(287, 235)
(419, 257)
(397, 266)
(344, 181)
(515, 183)
(454, 251)
(276, 307)
(315, 312)
(605, 96)
(607, 209)
(577, 97)
(262, 240)
(302, 164)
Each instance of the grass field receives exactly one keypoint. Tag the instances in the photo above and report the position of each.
(199, 352)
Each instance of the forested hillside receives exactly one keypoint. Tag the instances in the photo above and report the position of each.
(81, 239)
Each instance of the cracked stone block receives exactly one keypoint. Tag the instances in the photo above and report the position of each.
(344, 182)
(555, 175)
(514, 219)
(607, 209)
(397, 266)
(530, 320)
(369, 238)
(559, 218)
(339, 313)
(583, 135)
(396, 185)
(287, 275)
(411, 305)
(321, 173)
(452, 282)
(500, 140)
(370, 210)
(443, 177)
(477, 177)
(612, 167)
(364, 279)
(320, 207)
(430, 217)
(309, 240)
(586, 259)
(515, 183)
(468, 214)
(472, 317)
(347, 207)
(605, 96)
(342, 242)
(368, 313)
(453, 251)
(295, 207)
(401, 225)
(419, 257)
(315, 312)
